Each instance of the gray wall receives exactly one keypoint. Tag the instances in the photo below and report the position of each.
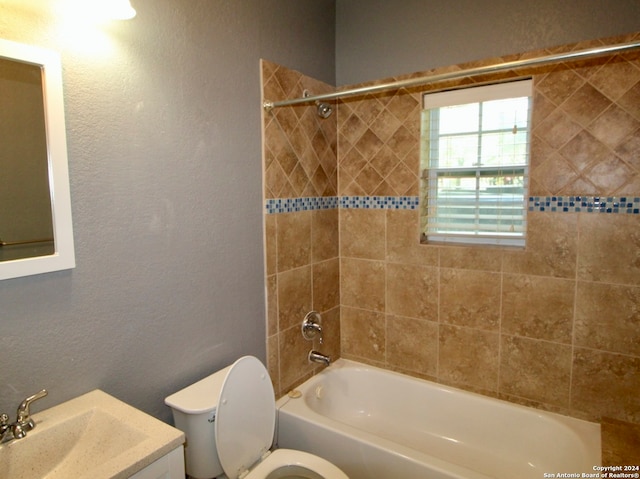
(163, 131)
(380, 38)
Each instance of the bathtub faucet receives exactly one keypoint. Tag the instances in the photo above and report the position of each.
(316, 357)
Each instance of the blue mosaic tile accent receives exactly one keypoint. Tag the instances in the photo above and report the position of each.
(585, 204)
(289, 205)
(562, 204)
(380, 202)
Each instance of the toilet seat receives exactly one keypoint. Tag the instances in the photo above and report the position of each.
(244, 429)
(286, 463)
(246, 416)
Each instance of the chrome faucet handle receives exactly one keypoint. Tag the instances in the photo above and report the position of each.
(311, 326)
(24, 420)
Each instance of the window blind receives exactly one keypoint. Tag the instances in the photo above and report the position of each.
(476, 152)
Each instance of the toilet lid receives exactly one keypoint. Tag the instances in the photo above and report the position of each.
(245, 417)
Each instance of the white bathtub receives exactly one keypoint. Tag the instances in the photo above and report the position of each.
(374, 423)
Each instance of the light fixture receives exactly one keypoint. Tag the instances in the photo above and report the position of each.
(118, 9)
(99, 10)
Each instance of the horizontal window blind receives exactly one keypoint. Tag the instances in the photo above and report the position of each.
(475, 154)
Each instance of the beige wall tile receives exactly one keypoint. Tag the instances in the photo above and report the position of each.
(608, 317)
(606, 384)
(363, 333)
(468, 357)
(551, 246)
(272, 305)
(324, 235)
(403, 239)
(469, 257)
(538, 307)
(362, 284)
(331, 335)
(620, 443)
(294, 297)
(326, 285)
(537, 370)
(362, 233)
(294, 365)
(470, 298)
(294, 240)
(412, 345)
(412, 291)
(270, 244)
(585, 141)
(609, 248)
(273, 363)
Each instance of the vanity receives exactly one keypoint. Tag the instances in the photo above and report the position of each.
(95, 436)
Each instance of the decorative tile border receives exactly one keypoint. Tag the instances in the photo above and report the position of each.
(585, 204)
(556, 204)
(289, 205)
(380, 202)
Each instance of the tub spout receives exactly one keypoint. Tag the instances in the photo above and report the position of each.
(316, 357)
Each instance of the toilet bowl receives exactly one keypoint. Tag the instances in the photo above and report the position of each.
(229, 420)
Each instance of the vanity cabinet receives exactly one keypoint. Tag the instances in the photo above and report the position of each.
(170, 466)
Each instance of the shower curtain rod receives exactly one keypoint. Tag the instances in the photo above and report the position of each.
(471, 72)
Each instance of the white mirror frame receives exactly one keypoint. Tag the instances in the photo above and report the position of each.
(63, 256)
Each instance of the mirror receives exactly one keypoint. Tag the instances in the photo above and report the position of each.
(36, 233)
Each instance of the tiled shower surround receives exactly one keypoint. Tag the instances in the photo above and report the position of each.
(555, 325)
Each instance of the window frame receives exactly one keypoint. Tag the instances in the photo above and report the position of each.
(519, 88)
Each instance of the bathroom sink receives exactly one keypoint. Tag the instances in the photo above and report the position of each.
(92, 436)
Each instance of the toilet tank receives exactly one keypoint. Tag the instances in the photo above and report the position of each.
(194, 411)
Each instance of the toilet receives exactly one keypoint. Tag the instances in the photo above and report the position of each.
(229, 420)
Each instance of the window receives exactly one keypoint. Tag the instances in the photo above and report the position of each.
(475, 155)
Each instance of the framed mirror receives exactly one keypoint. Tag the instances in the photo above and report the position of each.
(36, 231)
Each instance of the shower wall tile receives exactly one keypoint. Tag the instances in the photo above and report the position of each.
(538, 307)
(554, 325)
(477, 307)
(363, 334)
(402, 229)
(548, 325)
(412, 291)
(272, 305)
(620, 443)
(362, 284)
(324, 235)
(362, 233)
(546, 254)
(270, 242)
(537, 370)
(472, 258)
(301, 243)
(412, 345)
(608, 317)
(294, 366)
(294, 296)
(326, 285)
(606, 384)
(293, 240)
(609, 249)
(468, 357)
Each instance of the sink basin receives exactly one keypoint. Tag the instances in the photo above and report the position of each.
(92, 436)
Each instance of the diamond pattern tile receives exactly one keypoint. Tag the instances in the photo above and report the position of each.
(585, 124)
(300, 147)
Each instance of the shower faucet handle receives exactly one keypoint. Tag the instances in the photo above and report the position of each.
(312, 326)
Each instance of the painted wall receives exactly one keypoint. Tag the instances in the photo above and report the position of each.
(163, 128)
(378, 39)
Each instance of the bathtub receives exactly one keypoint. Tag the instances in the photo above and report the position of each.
(373, 423)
